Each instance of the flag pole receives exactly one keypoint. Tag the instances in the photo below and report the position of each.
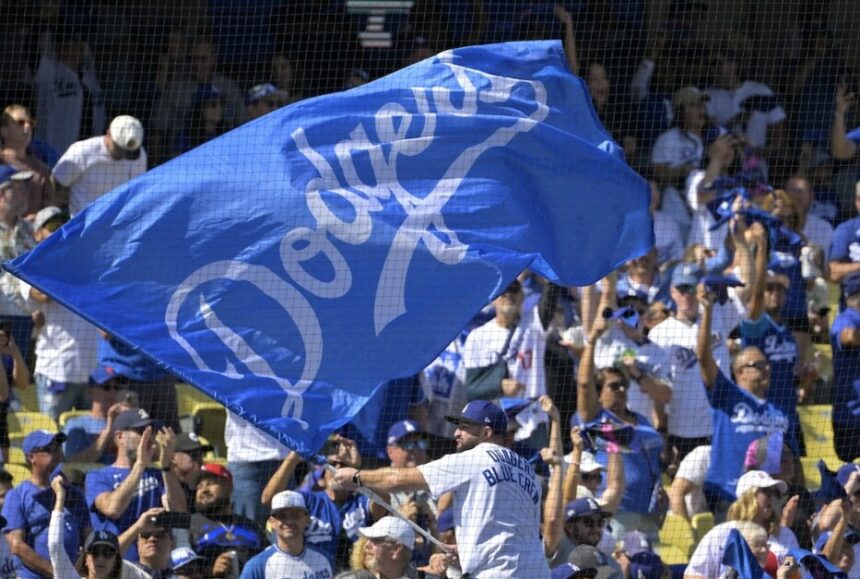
(387, 506)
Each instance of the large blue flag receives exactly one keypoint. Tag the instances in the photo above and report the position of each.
(292, 265)
(740, 557)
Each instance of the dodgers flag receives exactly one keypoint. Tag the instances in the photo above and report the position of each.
(292, 265)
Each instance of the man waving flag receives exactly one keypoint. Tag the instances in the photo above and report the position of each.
(292, 265)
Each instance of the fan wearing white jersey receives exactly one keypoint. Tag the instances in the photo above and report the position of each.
(496, 496)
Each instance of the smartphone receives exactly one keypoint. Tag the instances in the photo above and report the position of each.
(171, 520)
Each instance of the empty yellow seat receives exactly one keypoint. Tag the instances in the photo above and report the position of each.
(677, 540)
(702, 523)
(187, 397)
(19, 472)
(210, 419)
(16, 456)
(23, 423)
(810, 472)
(817, 427)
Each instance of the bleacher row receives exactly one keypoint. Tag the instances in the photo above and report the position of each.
(197, 412)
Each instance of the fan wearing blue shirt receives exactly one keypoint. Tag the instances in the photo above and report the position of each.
(845, 343)
(28, 507)
(119, 494)
(290, 556)
(602, 397)
(845, 249)
(740, 409)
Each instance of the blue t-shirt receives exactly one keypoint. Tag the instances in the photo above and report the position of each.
(779, 346)
(310, 564)
(739, 418)
(29, 507)
(788, 263)
(329, 520)
(641, 465)
(148, 495)
(82, 432)
(846, 371)
(845, 247)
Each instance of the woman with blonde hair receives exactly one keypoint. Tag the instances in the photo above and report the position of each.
(759, 502)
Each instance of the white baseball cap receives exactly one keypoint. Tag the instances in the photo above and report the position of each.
(288, 500)
(127, 132)
(587, 464)
(392, 528)
(758, 479)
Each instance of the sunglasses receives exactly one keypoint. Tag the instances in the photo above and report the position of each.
(758, 365)
(24, 122)
(616, 386)
(108, 386)
(153, 534)
(103, 551)
(592, 476)
(414, 445)
(686, 289)
(772, 492)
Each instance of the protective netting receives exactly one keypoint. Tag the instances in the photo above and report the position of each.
(709, 385)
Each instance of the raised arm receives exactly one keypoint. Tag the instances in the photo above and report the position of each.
(174, 497)
(61, 565)
(113, 504)
(571, 479)
(615, 482)
(281, 478)
(843, 148)
(707, 365)
(743, 255)
(755, 306)
(587, 402)
(569, 38)
(553, 510)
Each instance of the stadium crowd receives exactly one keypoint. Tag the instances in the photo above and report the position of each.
(660, 411)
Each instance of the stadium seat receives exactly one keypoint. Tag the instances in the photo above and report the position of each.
(23, 423)
(27, 398)
(677, 540)
(815, 422)
(210, 418)
(66, 416)
(187, 397)
(702, 523)
(19, 472)
(16, 456)
(810, 472)
(83, 467)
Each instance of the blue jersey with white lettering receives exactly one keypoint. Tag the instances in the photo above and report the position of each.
(739, 419)
(148, 495)
(845, 247)
(779, 346)
(788, 263)
(274, 563)
(641, 465)
(329, 521)
(846, 370)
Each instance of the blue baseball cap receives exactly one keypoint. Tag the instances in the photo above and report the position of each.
(851, 284)
(206, 93)
(844, 473)
(39, 439)
(686, 274)
(571, 571)
(9, 175)
(583, 508)
(646, 565)
(482, 412)
(402, 429)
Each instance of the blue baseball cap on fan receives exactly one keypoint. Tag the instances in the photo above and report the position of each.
(571, 571)
(482, 412)
(402, 429)
(686, 274)
(39, 439)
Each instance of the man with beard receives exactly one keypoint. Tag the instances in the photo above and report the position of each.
(389, 548)
(496, 496)
(289, 556)
(216, 529)
(119, 494)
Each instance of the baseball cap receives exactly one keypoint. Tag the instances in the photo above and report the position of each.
(582, 508)
(39, 439)
(258, 92)
(132, 419)
(844, 473)
(9, 174)
(216, 470)
(102, 537)
(392, 528)
(851, 284)
(646, 565)
(182, 556)
(482, 412)
(205, 93)
(688, 95)
(686, 274)
(758, 479)
(571, 571)
(588, 557)
(190, 442)
(127, 133)
(46, 214)
(588, 464)
(402, 429)
(288, 500)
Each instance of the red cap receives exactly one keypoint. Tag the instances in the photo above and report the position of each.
(218, 470)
